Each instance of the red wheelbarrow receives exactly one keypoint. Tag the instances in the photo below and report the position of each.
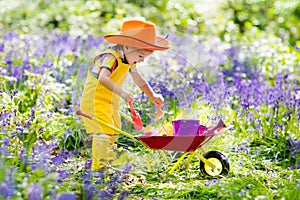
(212, 163)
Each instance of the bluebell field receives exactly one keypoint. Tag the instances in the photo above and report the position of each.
(42, 76)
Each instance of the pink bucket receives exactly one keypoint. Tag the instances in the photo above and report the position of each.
(186, 127)
(202, 129)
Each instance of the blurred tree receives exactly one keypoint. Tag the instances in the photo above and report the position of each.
(231, 17)
(278, 17)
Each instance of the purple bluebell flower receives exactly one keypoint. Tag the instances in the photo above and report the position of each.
(75, 151)
(15, 71)
(212, 182)
(232, 51)
(33, 167)
(2, 47)
(6, 141)
(207, 183)
(297, 144)
(87, 184)
(242, 193)
(58, 160)
(35, 192)
(20, 130)
(127, 168)
(276, 136)
(294, 153)
(21, 153)
(41, 129)
(62, 173)
(32, 112)
(86, 176)
(250, 117)
(15, 92)
(239, 149)
(69, 131)
(123, 195)
(280, 126)
(241, 163)
(88, 164)
(99, 173)
(99, 181)
(25, 160)
(6, 191)
(10, 36)
(257, 151)
(103, 194)
(66, 196)
(248, 187)
(8, 58)
(297, 47)
(65, 154)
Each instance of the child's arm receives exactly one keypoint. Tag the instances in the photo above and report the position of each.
(104, 79)
(157, 99)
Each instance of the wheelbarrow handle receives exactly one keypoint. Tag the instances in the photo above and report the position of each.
(79, 112)
(126, 117)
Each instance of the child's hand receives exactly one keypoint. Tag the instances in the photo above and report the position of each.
(126, 96)
(158, 100)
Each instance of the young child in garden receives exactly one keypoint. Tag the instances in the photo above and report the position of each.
(103, 86)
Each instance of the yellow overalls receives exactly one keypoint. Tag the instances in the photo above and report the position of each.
(102, 103)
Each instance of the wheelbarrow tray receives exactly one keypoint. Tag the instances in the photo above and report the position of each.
(178, 143)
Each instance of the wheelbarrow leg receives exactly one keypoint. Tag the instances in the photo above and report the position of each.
(206, 161)
(148, 161)
(164, 156)
(200, 157)
(178, 162)
(187, 163)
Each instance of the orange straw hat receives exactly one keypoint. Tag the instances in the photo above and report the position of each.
(141, 34)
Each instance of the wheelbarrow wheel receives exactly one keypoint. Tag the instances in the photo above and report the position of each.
(220, 162)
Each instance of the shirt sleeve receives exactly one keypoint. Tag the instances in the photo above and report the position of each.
(107, 61)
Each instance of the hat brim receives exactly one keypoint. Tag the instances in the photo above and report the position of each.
(160, 44)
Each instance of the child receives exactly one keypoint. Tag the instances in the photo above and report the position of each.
(103, 86)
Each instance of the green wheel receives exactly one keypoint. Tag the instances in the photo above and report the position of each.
(220, 162)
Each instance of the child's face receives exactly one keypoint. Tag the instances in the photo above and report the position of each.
(134, 55)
